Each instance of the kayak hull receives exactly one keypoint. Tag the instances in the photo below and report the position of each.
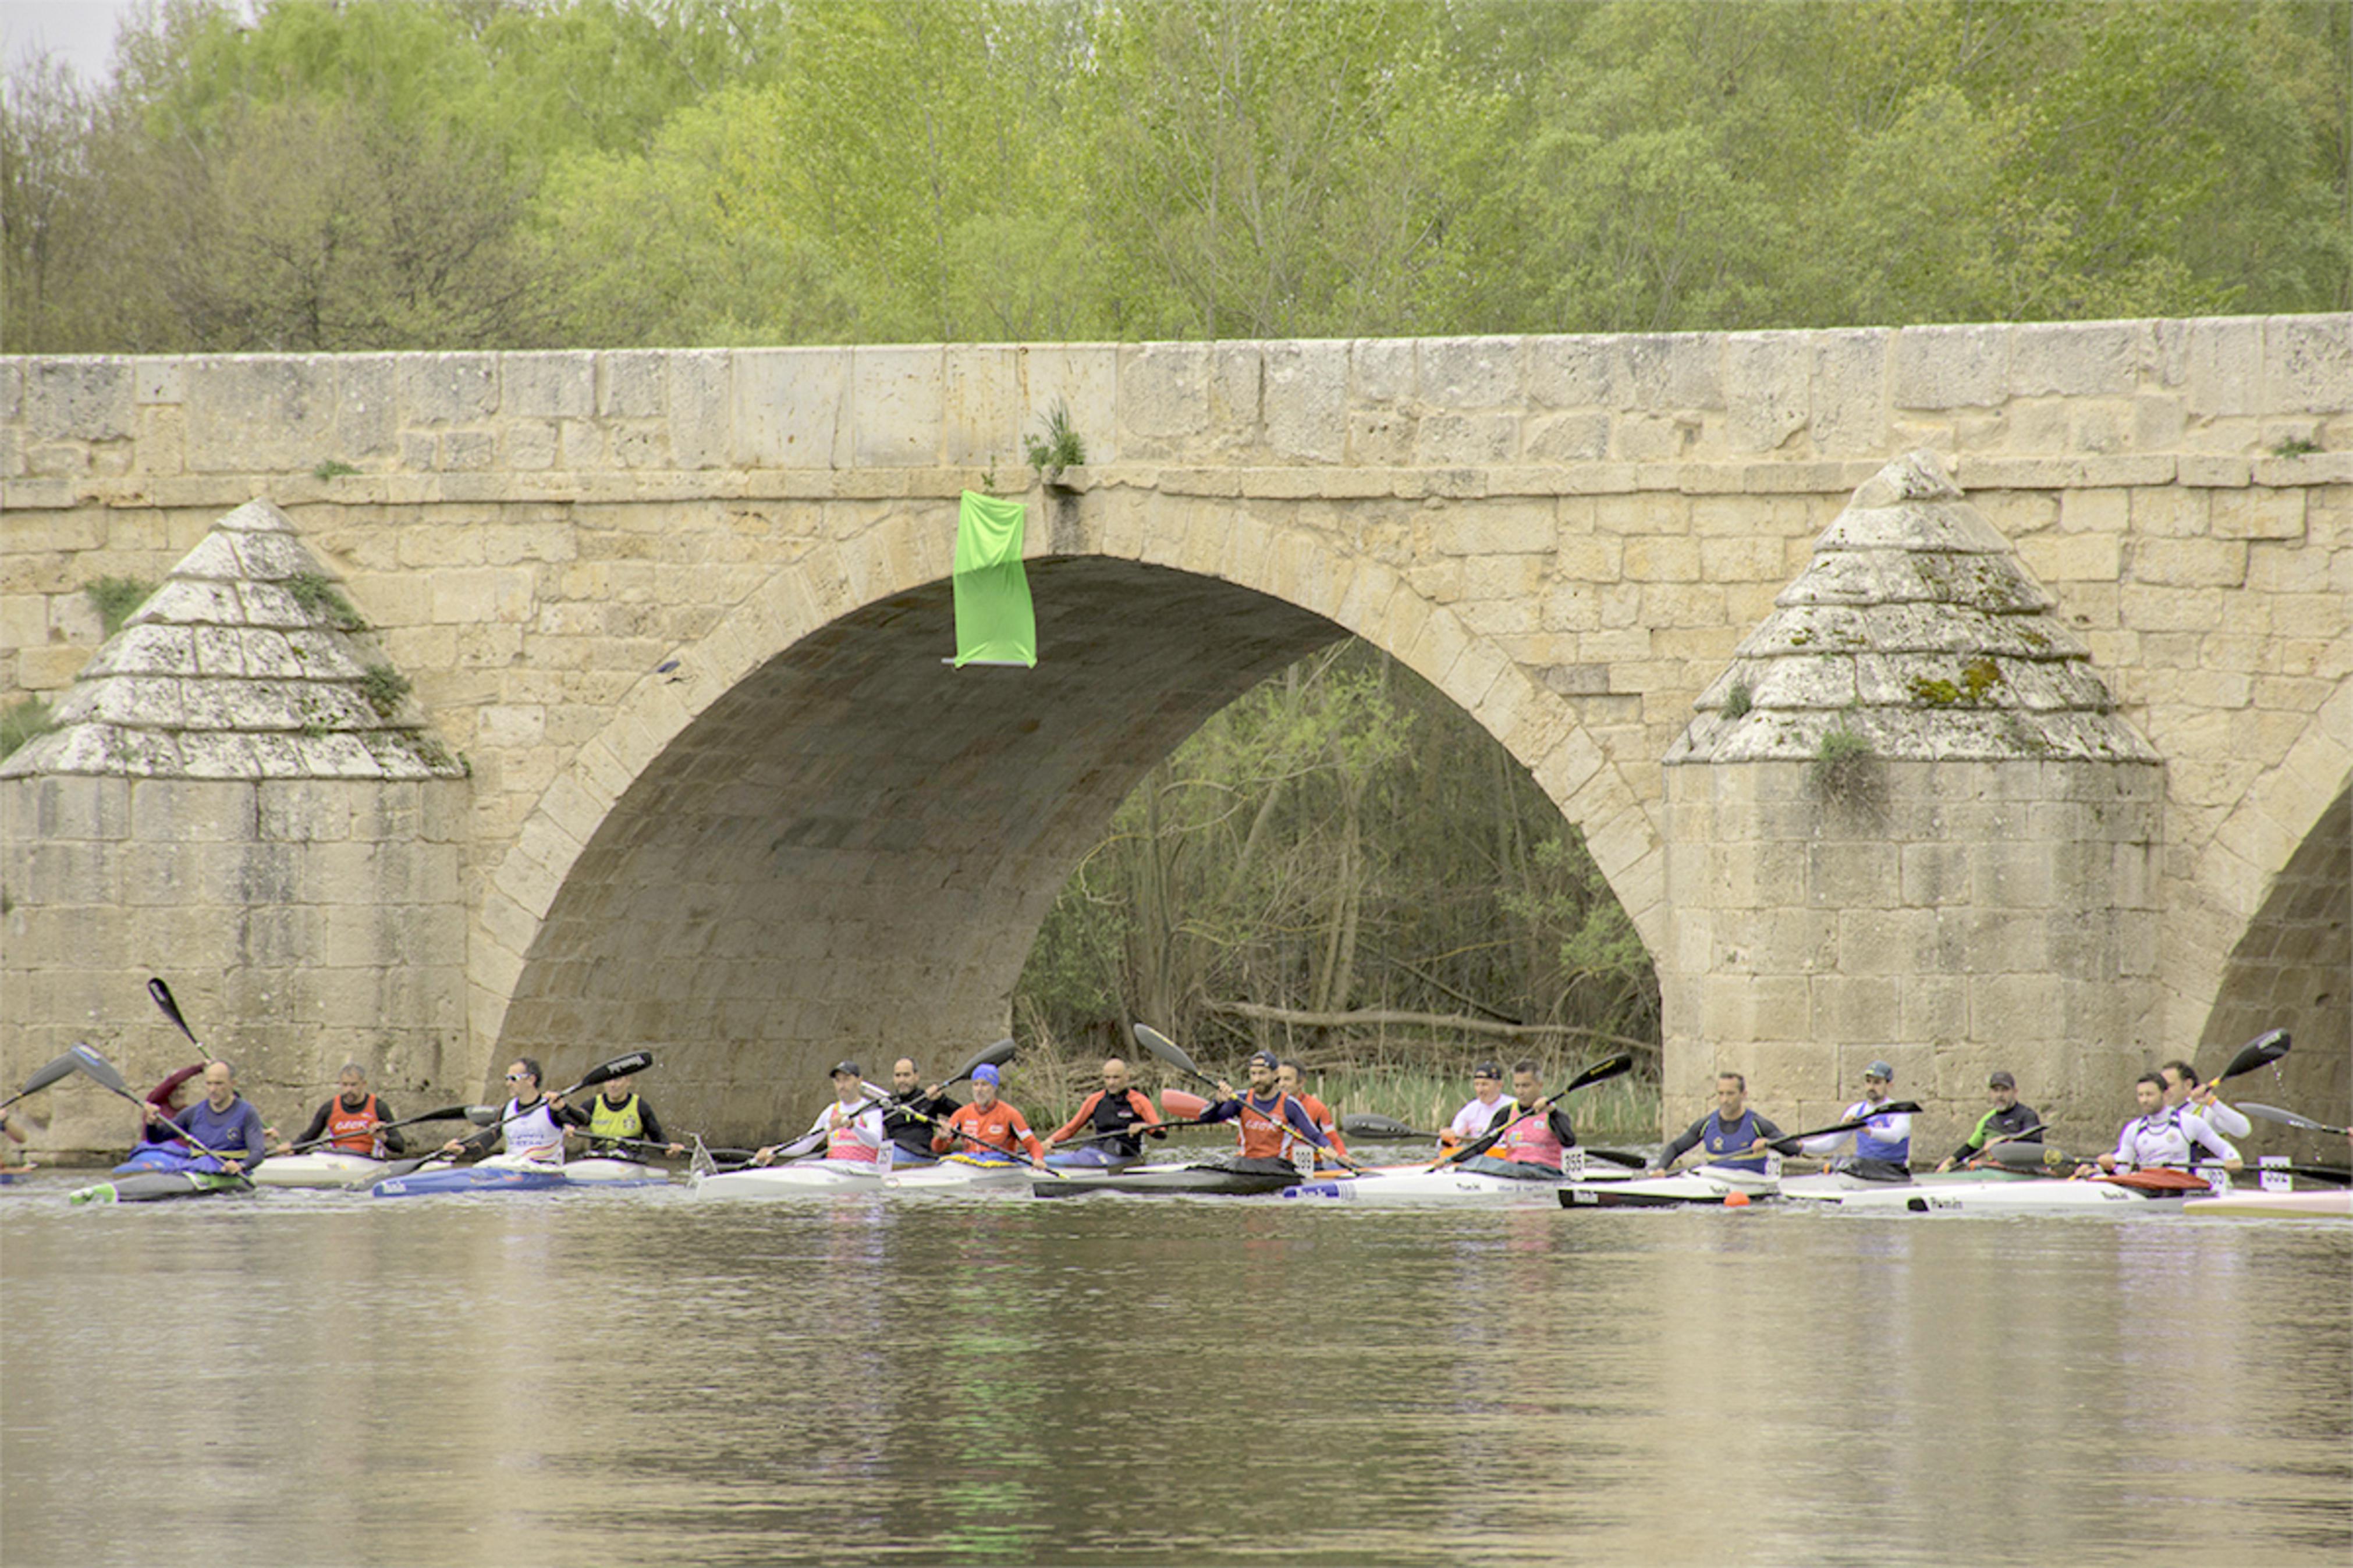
(2038, 1195)
(604, 1171)
(1710, 1184)
(1422, 1187)
(495, 1175)
(321, 1169)
(958, 1174)
(1198, 1180)
(2337, 1204)
(153, 1186)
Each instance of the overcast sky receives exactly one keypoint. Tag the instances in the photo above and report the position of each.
(81, 32)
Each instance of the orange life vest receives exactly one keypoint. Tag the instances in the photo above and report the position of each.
(354, 1131)
(1267, 1135)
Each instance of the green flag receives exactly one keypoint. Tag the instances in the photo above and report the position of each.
(995, 624)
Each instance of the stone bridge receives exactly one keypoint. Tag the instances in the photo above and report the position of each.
(676, 621)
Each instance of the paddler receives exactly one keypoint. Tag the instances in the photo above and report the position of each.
(1882, 1147)
(908, 1114)
(224, 1121)
(2006, 1122)
(165, 1097)
(1291, 1078)
(1479, 1111)
(1536, 1138)
(1733, 1128)
(532, 1123)
(620, 1116)
(1270, 1125)
(2162, 1135)
(989, 1125)
(1119, 1116)
(2183, 1090)
(351, 1122)
(852, 1126)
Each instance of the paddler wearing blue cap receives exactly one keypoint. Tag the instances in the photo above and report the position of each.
(989, 1125)
(1880, 1150)
(1272, 1124)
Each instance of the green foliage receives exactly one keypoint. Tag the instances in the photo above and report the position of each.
(332, 469)
(1843, 769)
(1060, 447)
(22, 721)
(2295, 447)
(385, 689)
(1738, 700)
(320, 598)
(115, 599)
(1978, 677)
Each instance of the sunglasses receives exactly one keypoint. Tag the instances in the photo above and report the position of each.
(518, 1078)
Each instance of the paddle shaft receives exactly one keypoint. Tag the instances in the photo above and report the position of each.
(447, 1114)
(954, 1132)
(1893, 1108)
(1169, 1051)
(808, 1144)
(101, 1072)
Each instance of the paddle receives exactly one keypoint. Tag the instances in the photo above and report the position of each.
(480, 1115)
(1613, 1067)
(2260, 1052)
(163, 994)
(1168, 1051)
(603, 1072)
(1893, 1108)
(50, 1072)
(2290, 1118)
(100, 1071)
(808, 1144)
(1370, 1124)
(1034, 1164)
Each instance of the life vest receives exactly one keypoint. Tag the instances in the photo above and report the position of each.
(1531, 1138)
(999, 1127)
(2162, 1140)
(1267, 1134)
(608, 1123)
(1114, 1114)
(535, 1129)
(1870, 1145)
(1719, 1140)
(354, 1131)
(847, 1136)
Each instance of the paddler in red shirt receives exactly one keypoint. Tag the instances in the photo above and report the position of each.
(1291, 1078)
(1119, 1115)
(989, 1125)
(1271, 1125)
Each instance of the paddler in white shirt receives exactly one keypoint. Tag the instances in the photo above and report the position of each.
(1880, 1151)
(1473, 1120)
(851, 1125)
(2162, 1135)
(532, 1123)
(2183, 1089)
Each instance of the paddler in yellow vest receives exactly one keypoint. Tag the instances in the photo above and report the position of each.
(619, 1118)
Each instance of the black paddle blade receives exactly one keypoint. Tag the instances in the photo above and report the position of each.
(58, 1066)
(99, 1070)
(163, 994)
(995, 1056)
(2287, 1118)
(1167, 1050)
(2261, 1051)
(1366, 1124)
(1613, 1067)
(620, 1066)
(481, 1115)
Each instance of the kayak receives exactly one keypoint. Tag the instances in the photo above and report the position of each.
(151, 1186)
(320, 1168)
(1476, 1183)
(613, 1171)
(1707, 1184)
(1203, 1178)
(1837, 1187)
(800, 1178)
(2335, 1204)
(959, 1174)
(2138, 1192)
(499, 1172)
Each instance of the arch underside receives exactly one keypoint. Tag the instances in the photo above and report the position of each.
(2293, 969)
(849, 852)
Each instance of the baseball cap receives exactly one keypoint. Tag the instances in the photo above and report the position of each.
(1880, 1071)
(985, 1073)
(1263, 1058)
(842, 1069)
(1487, 1069)
(2002, 1080)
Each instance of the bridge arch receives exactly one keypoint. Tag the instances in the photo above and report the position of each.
(810, 837)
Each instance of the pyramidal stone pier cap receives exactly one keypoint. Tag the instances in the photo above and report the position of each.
(246, 664)
(1916, 629)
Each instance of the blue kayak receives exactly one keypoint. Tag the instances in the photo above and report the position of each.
(487, 1177)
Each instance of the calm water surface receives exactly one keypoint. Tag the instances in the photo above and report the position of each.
(640, 1378)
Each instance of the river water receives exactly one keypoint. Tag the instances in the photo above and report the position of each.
(642, 1378)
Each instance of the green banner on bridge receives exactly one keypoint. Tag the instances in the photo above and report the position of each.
(993, 621)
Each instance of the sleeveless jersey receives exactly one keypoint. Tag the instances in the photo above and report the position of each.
(528, 1131)
(1266, 1133)
(1531, 1138)
(1719, 1140)
(609, 1123)
(354, 1131)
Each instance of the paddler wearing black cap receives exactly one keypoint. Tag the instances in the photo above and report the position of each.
(2006, 1122)
(853, 1124)
(1273, 1123)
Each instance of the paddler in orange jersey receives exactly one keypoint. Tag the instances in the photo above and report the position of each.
(349, 1123)
(1271, 1124)
(1291, 1078)
(989, 1125)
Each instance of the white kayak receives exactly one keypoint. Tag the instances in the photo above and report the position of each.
(1475, 1186)
(795, 1179)
(2037, 1195)
(613, 1171)
(1719, 1184)
(963, 1174)
(320, 1168)
(2335, 1204)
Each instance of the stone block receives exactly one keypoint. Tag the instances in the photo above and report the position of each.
(1082, 377)
(548, 386)
(1669, 370)
(1381, 370)
(2084, 557)
(1768, 389)
(2189, 562)
(1447, 440)
(2222, 365)
(448, 388)
(78, 400)
(1505, 528)
(2074, 359)
(1306, 409)
(1163, 391)
(633, 383)
(788, 408)
(260, 415)
(2308, 363)
(1949, 367)
(1472, 372)
(896, 399)
(2260, 514)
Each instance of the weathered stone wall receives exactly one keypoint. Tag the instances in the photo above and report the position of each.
(301, 924)
(1566, 535)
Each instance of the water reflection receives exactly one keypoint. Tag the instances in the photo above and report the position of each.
(639, 1377)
